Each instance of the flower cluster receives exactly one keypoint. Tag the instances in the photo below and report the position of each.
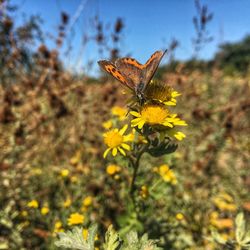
(149, 118)
(166, 174)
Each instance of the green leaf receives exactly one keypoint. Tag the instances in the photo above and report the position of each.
(111, 239)
(133, 242)
(74, 239)
(217, 238)
(240, 227)
(246, 240)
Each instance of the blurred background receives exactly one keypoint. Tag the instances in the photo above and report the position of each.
(54, 102)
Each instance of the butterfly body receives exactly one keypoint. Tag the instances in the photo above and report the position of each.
(133, 74)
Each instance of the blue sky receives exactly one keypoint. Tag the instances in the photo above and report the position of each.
(149, 25)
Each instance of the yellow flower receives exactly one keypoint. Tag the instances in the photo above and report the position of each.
(167, 174)
(87, 201)
(227, 197)
(214, 215)
(24, 213)
(33, 204)
(74, 179)
(75, 219)
(177, 134)
(85, 233)
(67, 202)
(119, 112)
(159, 91)
(76, 158)
(117, 177)
(178, 155)
(224, 202)
(144, 192)
(58, 224)
(115, 140)
(136, 137)
(108, 124)
(36, 171)
(155, 115)
(226, 223)
(44, 210)
(113, 169)
(64, 172)
(58, 227)
(179, 216)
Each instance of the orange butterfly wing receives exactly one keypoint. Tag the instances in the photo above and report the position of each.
(151, 65)
(140, 73)
(131, 73)
(112, 70)
(130, 68)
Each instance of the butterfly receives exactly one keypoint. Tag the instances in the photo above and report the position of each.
(131, 73)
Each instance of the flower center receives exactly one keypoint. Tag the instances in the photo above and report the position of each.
(158, 91)
(154, 114)
(113, 139)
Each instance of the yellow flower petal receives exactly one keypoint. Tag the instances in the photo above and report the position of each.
(121, 151)
(141, 124)
(136, 114)
(114, 151)
(126, 146)
(106, 152)
(122, 131)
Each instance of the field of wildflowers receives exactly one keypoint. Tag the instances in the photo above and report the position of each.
(85, 165)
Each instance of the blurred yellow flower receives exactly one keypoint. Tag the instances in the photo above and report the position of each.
(33, 204)
(76, 158)
(179, 216)
(226, 223)
(224, 202)
(225, 236)
(214, 215)
(115, 140)
(119, 112)
(117, 177)
(179, 136)
(75, 219)
(74, 179)
(64, 172)
(85, 233)
(167, 174)
(44, 210)
(108, 124)
(36, 171)
(58, 227)
(178, 155)
(87, 201)
(24, 213)
(67, 202)
(113, 169)
(136, 137)
(226, 197)
(144, 192)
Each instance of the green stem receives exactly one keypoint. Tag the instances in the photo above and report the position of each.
(135, 162)
(132, 187)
